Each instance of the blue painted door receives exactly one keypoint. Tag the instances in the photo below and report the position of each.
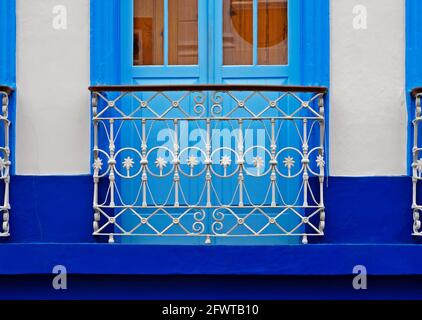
(198, 42)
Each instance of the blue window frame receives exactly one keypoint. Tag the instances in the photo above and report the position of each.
(211, 68)
(108, 63)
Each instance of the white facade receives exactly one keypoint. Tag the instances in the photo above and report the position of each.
(368, 114)
(52, 122)
(368, 121)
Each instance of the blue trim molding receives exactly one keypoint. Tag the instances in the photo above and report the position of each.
(8, 42)
(293, 260)
(105, 42)
(315, 50)
(208, 287)
(8, 62)
(315, 46)
(413, 65)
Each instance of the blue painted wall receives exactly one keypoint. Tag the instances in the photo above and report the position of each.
(51, 209)
(369, 210)
(359, 210)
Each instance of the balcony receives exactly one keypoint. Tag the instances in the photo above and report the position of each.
(417, 162)
(5, 163)
(208, 163)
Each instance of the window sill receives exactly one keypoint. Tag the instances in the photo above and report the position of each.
(297, 260)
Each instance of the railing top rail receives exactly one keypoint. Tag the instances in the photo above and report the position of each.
(208, 87)
(416, 92)
(6, 89)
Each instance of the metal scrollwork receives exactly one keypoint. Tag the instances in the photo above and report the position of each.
(5, 163)
(210, 162)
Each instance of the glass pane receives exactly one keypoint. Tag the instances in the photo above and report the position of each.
(183, 32)
(238, 32)
(148, 32)
(272, 32)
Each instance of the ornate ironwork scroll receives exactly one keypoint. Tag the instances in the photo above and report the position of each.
(5, 161)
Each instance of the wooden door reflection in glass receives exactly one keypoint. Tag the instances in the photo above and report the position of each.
(255, 32)
(165, 32)
(183, 32)
(148, 40)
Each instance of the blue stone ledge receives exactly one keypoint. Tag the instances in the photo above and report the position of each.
(300, 260)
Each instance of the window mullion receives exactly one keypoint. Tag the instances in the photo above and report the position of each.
(166, 33)
(255, 32)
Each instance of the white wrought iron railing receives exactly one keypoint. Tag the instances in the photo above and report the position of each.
(417, 162)
(5, 163)
(208, 161)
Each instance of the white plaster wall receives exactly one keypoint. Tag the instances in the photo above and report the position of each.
(368, 113)
(52, 79)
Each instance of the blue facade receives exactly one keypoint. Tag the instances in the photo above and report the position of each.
(369, 220)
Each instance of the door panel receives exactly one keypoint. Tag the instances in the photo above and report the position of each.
(272, 32)
(148, 26)
(238, 32)
(183, 32)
